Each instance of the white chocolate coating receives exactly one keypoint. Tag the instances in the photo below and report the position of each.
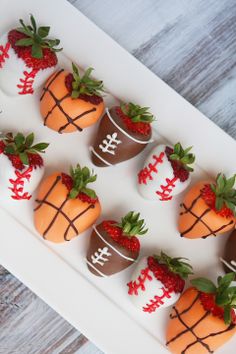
(150, 291)
(159, 177)
(12, 71)
(8, 174)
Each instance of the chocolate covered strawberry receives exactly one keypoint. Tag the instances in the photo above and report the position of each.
(229, 257)
(158, 281)
(65, 205)
(70, 101)
(166, 172)
(124, 131)
(27, 58)
(115, 246)
(208, 208)
(204, 317)
(21, 166)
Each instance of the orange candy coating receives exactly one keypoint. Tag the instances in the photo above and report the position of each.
(62, 113)
(192, 330)
(197, 219)
(58, 218)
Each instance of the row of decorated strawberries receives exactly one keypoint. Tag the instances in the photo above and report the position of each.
(208, 209)
(71, 102)
(66, 206)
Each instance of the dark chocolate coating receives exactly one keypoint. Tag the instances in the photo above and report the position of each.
(115, 262)
(230, 252)
(124, 151)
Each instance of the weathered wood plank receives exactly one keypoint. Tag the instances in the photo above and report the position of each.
(192, 46)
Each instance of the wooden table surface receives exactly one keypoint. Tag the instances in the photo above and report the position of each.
(191, 45)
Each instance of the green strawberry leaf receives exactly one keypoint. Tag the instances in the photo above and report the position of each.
(9, 149)
(37, 51)
(19, 140)
(25, 42)
(40, 147)
(227, 314)
(43, 31)
(24, 158)
(29, 140)
(204, 285)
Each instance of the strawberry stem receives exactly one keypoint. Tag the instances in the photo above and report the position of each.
(225, 192)
(85, 85)
(132, 225)
(225, 295)
(36, 38)
(175, 265)
(20, 145)
(81, 177)
(137, 113)
(183, 157)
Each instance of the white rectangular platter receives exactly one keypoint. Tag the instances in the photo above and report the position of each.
(100, 308)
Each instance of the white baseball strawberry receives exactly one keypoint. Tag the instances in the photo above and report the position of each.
(158, 281)
(166, 172)
(21, 166)
(27, 58)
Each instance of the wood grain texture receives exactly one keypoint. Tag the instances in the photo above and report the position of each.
(191, 45)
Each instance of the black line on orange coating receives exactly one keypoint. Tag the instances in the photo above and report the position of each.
(220, 228)
(192, 204)
(190, 329)
(59, 209)
(45, 89)
(75, 218)
(198, 219)
(62, 213)
(57, 102)
(188, 308)
(76, 118)
(49, 191)
(69, 119)
(229, 328)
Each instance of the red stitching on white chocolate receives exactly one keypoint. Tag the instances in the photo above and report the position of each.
(18, 184)
(26, 86)
(134, 286)
(167, 189)
(146, 173)
(4, 54)
(157, 302)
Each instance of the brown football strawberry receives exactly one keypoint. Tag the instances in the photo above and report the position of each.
(124, 131)
(204, 317)
(229, 257)
(65, 205)
(21, 166)
(114, 246)
(208, 208)
(71, 102)
(27, 58)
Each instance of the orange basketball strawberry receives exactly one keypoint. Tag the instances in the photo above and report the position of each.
(208, 208)
(66, 206)
(204, 317)
(71, 102)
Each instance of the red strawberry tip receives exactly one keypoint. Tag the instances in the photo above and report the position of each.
(172, 281)
(136, 127)
(115, 232)
(178, 169)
